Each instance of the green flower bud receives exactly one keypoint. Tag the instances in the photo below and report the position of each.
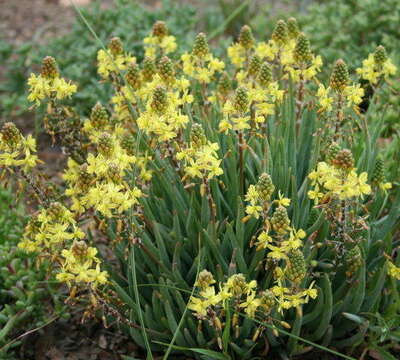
(280, 220)
(128, 143)
(378, 175)
(205, 279)
(353, 261)
(224, 84)
(160, 29)
(296, 269)
(241, 102)
(132, 76)
(332, 151)
(302, 51)
(265, 75)
(149, 69)
(49, 68)
(344, 160)
(166, 69)
(340, 76)
(293, 28)
(105, 144)
(113, 172)
(197, 136)
(254, 66)
(280, 34)
(115, 46)
(200, 47)
(99, 116)
(265, 187)
(159, 101)
(246, 38)
(380, 55)
(11, 135)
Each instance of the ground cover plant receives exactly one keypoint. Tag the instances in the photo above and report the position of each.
(220, 208)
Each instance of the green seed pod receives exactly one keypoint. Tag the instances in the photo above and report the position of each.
(302, 51)
(132, 76)
(200, 46)
(149, 69)
(197, 136)
(254, 66)
(265, 75)
(115, 46)
(224, 84)
(99, 116)
(265, 187)
(246, 38)
(344, 160)
(105, 145)
(353, 261)
(160, 29)
(293, 28)
(332, 151)
(280, 220)
(166, 69)
(11, 135)
(205, 279)
(378, 175)
(380, 55)
(49, 68)
(340, 76)
(241, 101)
(296, 269)
(159, 101)
(280, 34)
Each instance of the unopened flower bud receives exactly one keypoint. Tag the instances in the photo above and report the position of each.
(246, 38)
(296, 270)
(280, 33)
(99, 116)
(166, 69)
(160, 29)
(200, 47)
(205, 279)
(49, 68)
(280, 220)
(105, 144)
(254, 66)
(380, 55)
(265, 187)
(344, 160)
(340, 76)
(265, 75)
(197, 136)
(11, 135)
(293, 28)
(149, 69)
(133, 76)
(224, 84)
(302, 51)
(241, 101)
(159, 101)
(115, 46)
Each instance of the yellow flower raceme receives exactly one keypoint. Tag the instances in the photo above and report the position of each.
(16, 150)
(393, 270)
(352, 93)
(50, 229)
(377, 66)
(330, 181)
(80, 265)
(108, 63)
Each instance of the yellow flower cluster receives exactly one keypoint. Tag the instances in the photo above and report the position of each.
(201, 159)
(16, 150)
(50, 229)
(200, 64)
(159, 43)
(330, 181)
(81, 266)
(376, 66)
(99, 183)
(393, 270)
(41, 87)
(163, 117)
(243, 293)
(108, 63)
(353, 94)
